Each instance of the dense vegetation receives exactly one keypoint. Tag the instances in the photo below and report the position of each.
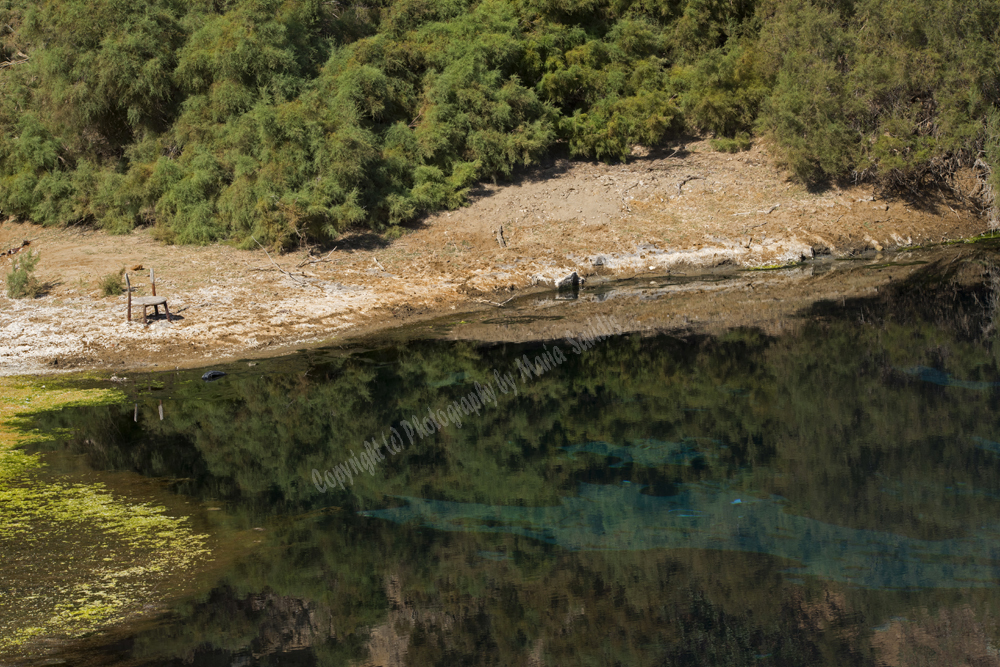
(292, 119)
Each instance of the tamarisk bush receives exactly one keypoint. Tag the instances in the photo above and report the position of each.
(288, 120)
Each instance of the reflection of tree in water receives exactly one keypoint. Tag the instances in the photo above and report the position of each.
(435, 599)
(827, 418)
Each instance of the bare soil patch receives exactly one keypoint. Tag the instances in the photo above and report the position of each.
(665, 213)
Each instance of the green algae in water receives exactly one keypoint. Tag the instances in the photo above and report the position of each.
(76, 558)
(14, 465)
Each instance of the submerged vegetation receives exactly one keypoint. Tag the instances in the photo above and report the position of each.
(76, 557)
(291, 119)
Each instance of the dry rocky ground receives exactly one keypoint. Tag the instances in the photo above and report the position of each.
(660, 215)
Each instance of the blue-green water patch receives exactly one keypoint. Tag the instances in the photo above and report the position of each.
(706, 516)
(935, 376)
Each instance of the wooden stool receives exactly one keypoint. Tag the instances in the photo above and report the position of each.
(154, 301)
(146, 301)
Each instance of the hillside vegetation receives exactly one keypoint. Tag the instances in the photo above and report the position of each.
(296, 119)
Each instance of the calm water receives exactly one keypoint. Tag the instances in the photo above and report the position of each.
(827, 497)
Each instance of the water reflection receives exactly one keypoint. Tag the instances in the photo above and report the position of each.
(830, 496)
(711, 516)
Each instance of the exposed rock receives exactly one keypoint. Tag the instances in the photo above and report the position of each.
(569, 281)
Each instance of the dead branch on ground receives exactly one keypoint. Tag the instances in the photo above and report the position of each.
(686, 180)
(316, 261)
(494, 303)
(294, 279)
(762, 212)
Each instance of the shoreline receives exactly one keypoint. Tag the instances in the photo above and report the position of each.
(609, 224)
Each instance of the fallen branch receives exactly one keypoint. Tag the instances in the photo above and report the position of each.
(686, 180)
(494, 303)
(379, 264)
(628, 209)
(768, 211)
(294, 279)
(316, 261)
(11, 63)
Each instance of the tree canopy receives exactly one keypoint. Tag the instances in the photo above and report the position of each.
(289, 119)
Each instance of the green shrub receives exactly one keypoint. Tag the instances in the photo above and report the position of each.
(722, 91)
(741, 142)
(293, 119)
(112, 284)
(991, 167)
(21, 281)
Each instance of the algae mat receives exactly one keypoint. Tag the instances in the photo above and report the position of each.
(75, 557)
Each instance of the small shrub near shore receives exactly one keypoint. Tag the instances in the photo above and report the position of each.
(21, 281)
(112, 284)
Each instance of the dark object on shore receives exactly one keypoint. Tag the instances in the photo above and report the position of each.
(15, 249)
(571, 281)
(212, 375)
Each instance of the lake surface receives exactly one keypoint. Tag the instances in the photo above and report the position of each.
(829, 496)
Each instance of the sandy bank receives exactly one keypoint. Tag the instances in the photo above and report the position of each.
(662, 215)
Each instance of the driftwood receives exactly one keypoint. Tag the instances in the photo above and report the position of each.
(686, 180)
(494, 303)
(294, 279)
(316, 261)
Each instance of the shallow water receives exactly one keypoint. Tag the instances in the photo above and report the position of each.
(830, 496)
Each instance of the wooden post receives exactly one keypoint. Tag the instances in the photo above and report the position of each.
(128, 286)
(152, 282)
